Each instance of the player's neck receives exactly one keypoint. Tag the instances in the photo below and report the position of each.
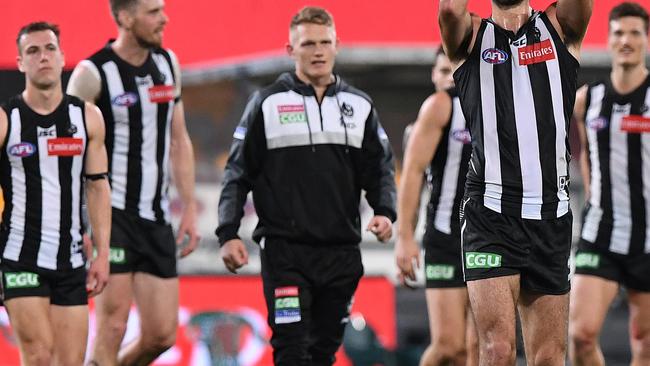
(128, 49)
(627, 79)
(319, 84)
(512, 18)
(43, 101)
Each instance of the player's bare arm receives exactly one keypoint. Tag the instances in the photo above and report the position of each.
(579, 116)
(85, 82)
(182, 156)
(570, 18)
(422, 144)
(456, 28)
(99, 199)
(4, 123)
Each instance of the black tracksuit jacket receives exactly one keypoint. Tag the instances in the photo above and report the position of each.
(307, 164)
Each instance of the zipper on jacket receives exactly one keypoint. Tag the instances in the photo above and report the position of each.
(320, 111)
(304, 106)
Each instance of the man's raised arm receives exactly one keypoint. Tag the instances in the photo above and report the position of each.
(573, 16)
(455, 27)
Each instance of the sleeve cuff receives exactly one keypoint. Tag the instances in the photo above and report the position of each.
(225, 234)
(384, 211)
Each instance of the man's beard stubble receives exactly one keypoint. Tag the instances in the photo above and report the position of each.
(507, 3)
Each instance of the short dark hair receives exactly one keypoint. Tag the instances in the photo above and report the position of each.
(312, 15)
(439, 51)
(37, 27)
(117, 5)
(630, 9)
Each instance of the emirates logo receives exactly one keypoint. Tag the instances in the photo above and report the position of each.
(536, 53)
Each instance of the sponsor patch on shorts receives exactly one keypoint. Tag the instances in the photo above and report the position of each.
(439, 272)
(587, 260)
(287, 305)
(117, 255)
(21, 280)
(479, 260)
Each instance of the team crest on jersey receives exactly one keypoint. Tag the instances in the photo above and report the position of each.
(536, 53)
(598, 123)
(347, 110)
(162, 93)
(494, 56)
(65, 146)
(22, 150)
(292, 113)
(127, 99)
(462, 135)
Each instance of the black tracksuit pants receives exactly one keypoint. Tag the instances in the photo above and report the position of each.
(308, 291)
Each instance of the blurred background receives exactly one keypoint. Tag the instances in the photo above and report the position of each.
(227, 50)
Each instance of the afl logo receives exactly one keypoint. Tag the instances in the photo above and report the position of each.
(126, 100)
(598, 123)
(462, 136)
(22, 150)
(494, 56)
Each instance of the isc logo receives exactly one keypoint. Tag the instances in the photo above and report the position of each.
(494, 56)
(22, 150)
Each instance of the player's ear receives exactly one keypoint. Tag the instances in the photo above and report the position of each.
(125, 18)
(19, 62)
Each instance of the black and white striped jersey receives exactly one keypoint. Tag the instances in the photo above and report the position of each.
(617, 216)
(517, 92)
(447, 172)
(137, 104)
(41, 168)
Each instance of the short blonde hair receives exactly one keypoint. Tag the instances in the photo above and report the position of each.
(313, 15)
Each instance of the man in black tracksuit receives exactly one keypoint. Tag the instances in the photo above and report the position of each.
(306, 146)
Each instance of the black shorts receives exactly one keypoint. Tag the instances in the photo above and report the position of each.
(443, 267)
(631, 271)
(139, 245)
(63, 287)
(499, 245)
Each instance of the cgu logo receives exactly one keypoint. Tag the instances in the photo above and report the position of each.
(22, 280)
(587, 260)
(117, 255)
(287, 302)
(440, 272)
(482, 260)
(463, 136)
(494, 56)
(22, 150)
